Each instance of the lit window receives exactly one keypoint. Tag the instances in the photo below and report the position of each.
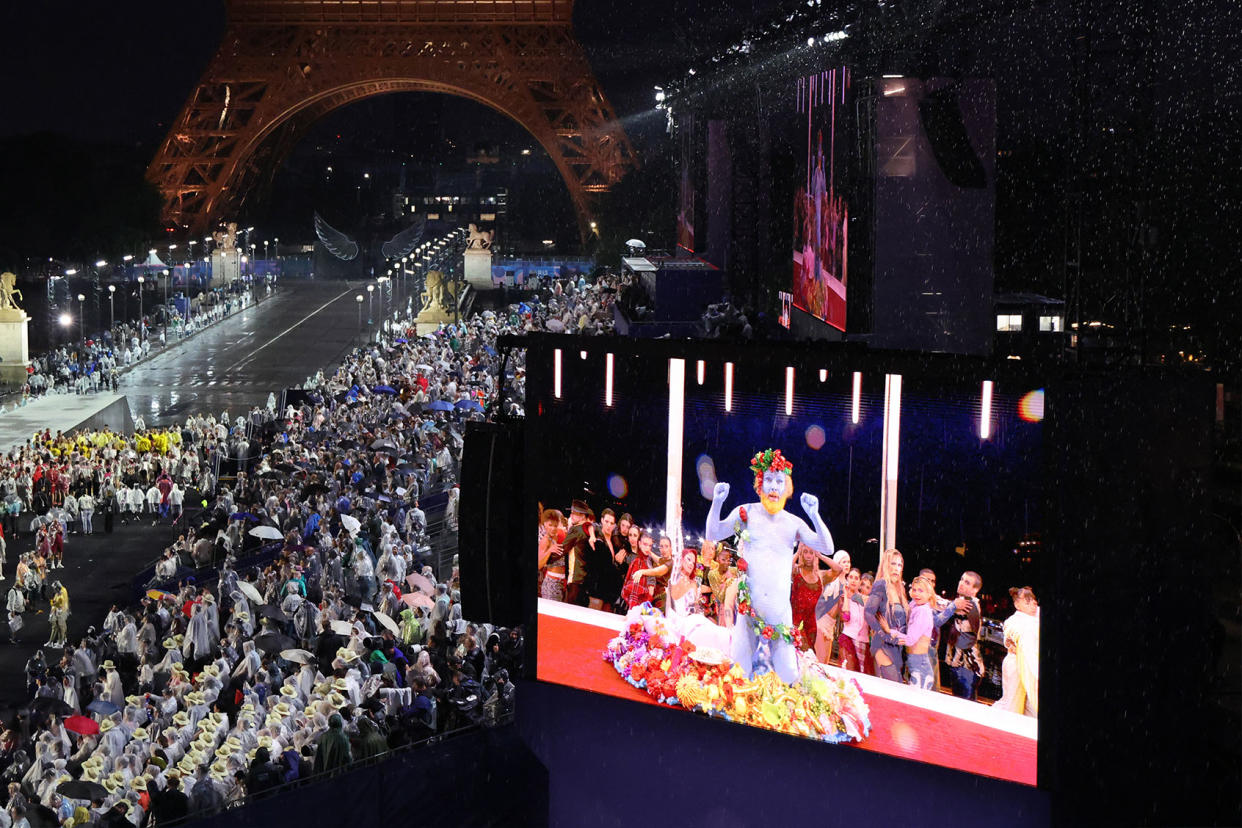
(1009, 322)
(1054, 324)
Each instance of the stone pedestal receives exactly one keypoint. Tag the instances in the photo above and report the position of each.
(14, 346)
(225, 267)
(430, 320)
(478, 268)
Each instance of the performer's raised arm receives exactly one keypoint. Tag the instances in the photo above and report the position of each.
(821, 541)
(717, 529)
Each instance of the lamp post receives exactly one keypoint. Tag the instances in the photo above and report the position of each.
(167, 279)
(142, 329)
(358, 299)
(370, 303)
(111, 307)
(82, 317)
(264, 248)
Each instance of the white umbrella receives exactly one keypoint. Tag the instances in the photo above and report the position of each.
(387, 621)
(639, 243)
(266, 532)
(351, 524)
(341, 627)
(298, 656)
(250, 592)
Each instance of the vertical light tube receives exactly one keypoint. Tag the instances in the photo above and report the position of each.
(700, 369)
(985, 412)
(823, 374)
(889, 462)
(728, 386)
(676, 430)
(857, 397)
(789, 379)
(608, 380)
(556, 373)
(582, 355)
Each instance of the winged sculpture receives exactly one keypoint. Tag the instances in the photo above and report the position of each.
(346, 249)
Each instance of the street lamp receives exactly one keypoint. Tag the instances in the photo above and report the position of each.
(264, 248)
(167, 279)
(276, 247)
(82, 317)
(111, 307)
(141, 327)
(358, 299)
(370, 303)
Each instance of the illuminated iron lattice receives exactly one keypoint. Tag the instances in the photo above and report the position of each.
(283, 64)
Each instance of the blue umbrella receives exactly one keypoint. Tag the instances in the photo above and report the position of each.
(468, 405)
(102, 707)
(439, 405)
(243, 516)
(489, 350)
(384, 389)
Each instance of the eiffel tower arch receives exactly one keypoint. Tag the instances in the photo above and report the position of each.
(283, 64)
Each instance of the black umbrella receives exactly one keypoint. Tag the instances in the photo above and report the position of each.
(82, 789)
(274, 642)
(380, 445)
(348, 444)
(313, 489)
(286, 467)
(49, 704)
(271, 611)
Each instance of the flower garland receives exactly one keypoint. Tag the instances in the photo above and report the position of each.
(654, 658)
(766, 631)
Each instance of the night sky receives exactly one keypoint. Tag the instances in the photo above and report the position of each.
(1162, 84)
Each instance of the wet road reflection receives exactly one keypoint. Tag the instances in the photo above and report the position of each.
(237, 363)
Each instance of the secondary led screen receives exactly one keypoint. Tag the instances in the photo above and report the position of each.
(821, 214)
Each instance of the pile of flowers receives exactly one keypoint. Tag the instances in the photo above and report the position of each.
(652, 657)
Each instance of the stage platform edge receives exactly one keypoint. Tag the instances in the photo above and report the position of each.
(67, 413)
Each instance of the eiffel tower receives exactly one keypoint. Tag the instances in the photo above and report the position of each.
(283, 64)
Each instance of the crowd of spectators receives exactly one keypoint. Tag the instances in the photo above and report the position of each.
(301, 621)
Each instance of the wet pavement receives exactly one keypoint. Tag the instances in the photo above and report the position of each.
(236, 363)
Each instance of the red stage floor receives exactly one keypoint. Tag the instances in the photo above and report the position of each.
(570, 653)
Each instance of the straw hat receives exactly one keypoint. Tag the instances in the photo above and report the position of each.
(133, 700)
(181, 719)
(110, 784)
(336, 700)
(212, 670)
(140, 733)
(139, 783)
(170, 644)
(106, 725)
(108, 665)
(340, 686)
(242, 616)
(287, 690)
(173, 774)
(283, 709)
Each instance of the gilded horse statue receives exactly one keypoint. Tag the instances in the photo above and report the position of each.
(8, 289)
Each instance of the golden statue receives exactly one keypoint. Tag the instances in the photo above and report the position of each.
(8, 289)
(437, 293)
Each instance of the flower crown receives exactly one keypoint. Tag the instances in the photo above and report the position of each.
(769, 460)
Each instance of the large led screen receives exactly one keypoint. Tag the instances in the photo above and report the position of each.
(847, 556)
(821, 214)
